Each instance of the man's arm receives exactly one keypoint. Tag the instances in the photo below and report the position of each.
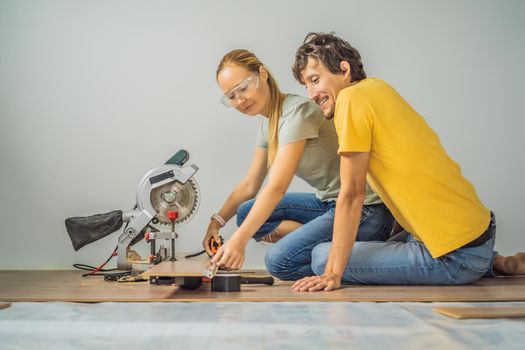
(354, 166)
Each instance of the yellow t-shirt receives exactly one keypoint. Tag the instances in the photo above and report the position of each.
(409, 169)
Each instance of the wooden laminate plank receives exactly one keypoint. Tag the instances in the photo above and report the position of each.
(482, 311)
(68, 285)
(179, 268)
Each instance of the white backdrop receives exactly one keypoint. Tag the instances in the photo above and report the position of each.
(95, 93)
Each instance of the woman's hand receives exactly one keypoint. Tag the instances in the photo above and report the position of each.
(212, 232)
(230, 255)
(325, 282)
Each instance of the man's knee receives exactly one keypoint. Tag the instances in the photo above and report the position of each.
(320, 257)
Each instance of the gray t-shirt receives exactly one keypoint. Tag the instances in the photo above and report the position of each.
(319, 165)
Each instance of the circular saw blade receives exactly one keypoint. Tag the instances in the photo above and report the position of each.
(183, 198)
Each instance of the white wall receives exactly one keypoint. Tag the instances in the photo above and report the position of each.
(95, 93)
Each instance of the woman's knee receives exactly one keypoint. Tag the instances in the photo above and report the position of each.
(243, 210)
(278, 264)
(273, 260)
(320, 257)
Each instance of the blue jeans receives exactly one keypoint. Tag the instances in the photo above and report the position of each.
(291, 257)
(410, 263)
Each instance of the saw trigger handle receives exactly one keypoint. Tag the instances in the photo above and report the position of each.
(179, 158)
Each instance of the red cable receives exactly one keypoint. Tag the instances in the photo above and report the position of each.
(104, 264)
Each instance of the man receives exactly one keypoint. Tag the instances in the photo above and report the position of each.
(382, 138)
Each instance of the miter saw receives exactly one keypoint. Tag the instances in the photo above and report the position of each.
(166, 196)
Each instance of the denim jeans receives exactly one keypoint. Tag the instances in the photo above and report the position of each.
(410, 263)
(291, 257)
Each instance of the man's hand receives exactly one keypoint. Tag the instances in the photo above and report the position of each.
(230, 255)
(325, 282)
(354, 166)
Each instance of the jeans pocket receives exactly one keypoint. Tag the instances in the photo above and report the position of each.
(475, 261)
(480, 266)
(464, 275)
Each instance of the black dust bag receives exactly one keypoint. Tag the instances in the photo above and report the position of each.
(84, 230)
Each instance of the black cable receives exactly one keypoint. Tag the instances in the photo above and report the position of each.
(91, 273)
(195, 254)
(114, 277)
(214, 243)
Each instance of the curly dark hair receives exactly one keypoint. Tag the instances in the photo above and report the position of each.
(330, 50)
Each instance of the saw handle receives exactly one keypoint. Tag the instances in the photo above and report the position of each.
(179, 158)
(257, 280)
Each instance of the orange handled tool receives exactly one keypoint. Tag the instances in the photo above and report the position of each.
(215, 245)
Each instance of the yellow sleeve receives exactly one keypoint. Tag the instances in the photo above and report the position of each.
(353, 120)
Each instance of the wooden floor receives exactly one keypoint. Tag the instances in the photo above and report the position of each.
(69, 285)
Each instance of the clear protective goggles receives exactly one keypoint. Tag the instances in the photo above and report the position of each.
(241, 91)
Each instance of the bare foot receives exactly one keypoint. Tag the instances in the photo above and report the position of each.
(510, 265)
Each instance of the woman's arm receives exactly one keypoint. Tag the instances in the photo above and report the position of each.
(231, 255)
(246, 189)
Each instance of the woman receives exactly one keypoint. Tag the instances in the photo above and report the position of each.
(293, 139)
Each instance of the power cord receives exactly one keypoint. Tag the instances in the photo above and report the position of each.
(93, 271)
(215, 245)
(194, 254)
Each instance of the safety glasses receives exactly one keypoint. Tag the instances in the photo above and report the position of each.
(241, 91)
